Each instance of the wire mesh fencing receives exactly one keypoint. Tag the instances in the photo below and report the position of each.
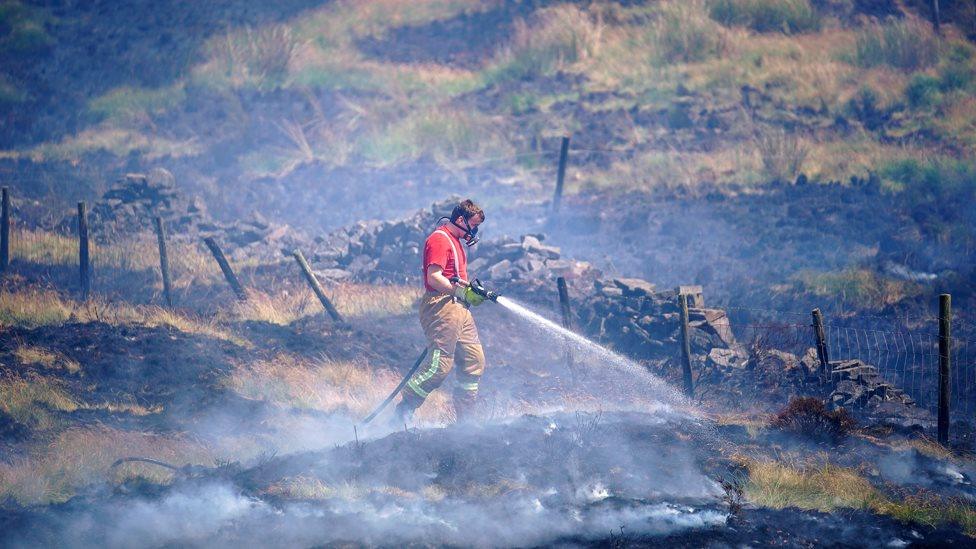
(909, 360)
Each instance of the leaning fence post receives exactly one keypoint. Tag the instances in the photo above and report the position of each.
(164, 261)
(84, 259)
(945, 348)
(225, 268)
(560, 174)
(4, 229)
(818, 333)
(316, 287)
(686, 346)
(567, 319)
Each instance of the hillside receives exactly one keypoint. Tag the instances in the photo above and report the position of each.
(783, 155)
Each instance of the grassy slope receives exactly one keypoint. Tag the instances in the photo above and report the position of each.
(856, 99)
(904, 99)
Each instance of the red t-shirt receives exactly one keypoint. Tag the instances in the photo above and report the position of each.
(443, 249)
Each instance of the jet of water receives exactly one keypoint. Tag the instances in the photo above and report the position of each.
(600, 353)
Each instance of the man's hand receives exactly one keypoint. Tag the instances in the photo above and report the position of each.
(467, 295)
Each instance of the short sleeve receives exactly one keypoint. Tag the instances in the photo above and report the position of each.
(437, 251)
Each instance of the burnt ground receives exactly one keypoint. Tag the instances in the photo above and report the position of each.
(624, 479)
(545, 475)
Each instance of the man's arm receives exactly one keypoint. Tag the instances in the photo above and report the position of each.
(437, 280)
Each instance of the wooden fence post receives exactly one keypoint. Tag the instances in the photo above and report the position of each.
(4, 229)
(164, 261)
(316, 287)
(686, 346)
(84, 259)
(218, 254)
(567, 320)
(818, 334)
(945, 354)
(557, 196)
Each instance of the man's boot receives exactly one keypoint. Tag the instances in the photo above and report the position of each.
(409, 402)
(465, 406)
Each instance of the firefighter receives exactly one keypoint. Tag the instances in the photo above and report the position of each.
(446, 317)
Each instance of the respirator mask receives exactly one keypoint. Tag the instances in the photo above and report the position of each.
(470, 233)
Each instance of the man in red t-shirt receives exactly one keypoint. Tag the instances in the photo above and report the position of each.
(446, 318)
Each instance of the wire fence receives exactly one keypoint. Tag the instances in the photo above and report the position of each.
(903, 355)
(906, 359)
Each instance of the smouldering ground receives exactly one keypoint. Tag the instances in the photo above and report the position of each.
(262, 401)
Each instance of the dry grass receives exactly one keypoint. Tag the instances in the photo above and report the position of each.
(822, 486)
(43, 248)
(35, 308)
(27, 354)
(355, 300)
(312, 488)
(908, 44)
(683, 32)
(321, 384)
(553, 39)
(35, 402)
(783, 154)
(190, 263)
(112, 139)
(858, 289)
(82, 456)
(443, 133)
(281, 309)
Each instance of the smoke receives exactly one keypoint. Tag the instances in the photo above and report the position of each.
(525, 481)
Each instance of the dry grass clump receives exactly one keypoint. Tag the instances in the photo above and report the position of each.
(783, 154)
(826, 487)
(35, 401)
(312, 488)
(250, 57)
(281, 309)
(446, 134)
(787, 16)
(552, 39)
(351, 387)
(34, 308)
(933, 510)
(43, 247)
(112, 139)
(83, 456)
(857, 288)
(908, 44)
(820, 486)
(355, 300)
(684, 33)
(28, 354)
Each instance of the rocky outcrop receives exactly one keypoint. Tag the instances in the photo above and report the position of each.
(131, 204)
(859, 386)
(642, 322)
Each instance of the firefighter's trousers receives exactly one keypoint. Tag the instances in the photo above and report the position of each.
(451, 337)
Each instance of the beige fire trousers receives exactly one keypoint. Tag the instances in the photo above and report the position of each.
(451, 336)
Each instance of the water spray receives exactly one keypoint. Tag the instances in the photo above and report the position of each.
(580, 343)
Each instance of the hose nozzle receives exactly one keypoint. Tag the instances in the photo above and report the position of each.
(479, 288)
